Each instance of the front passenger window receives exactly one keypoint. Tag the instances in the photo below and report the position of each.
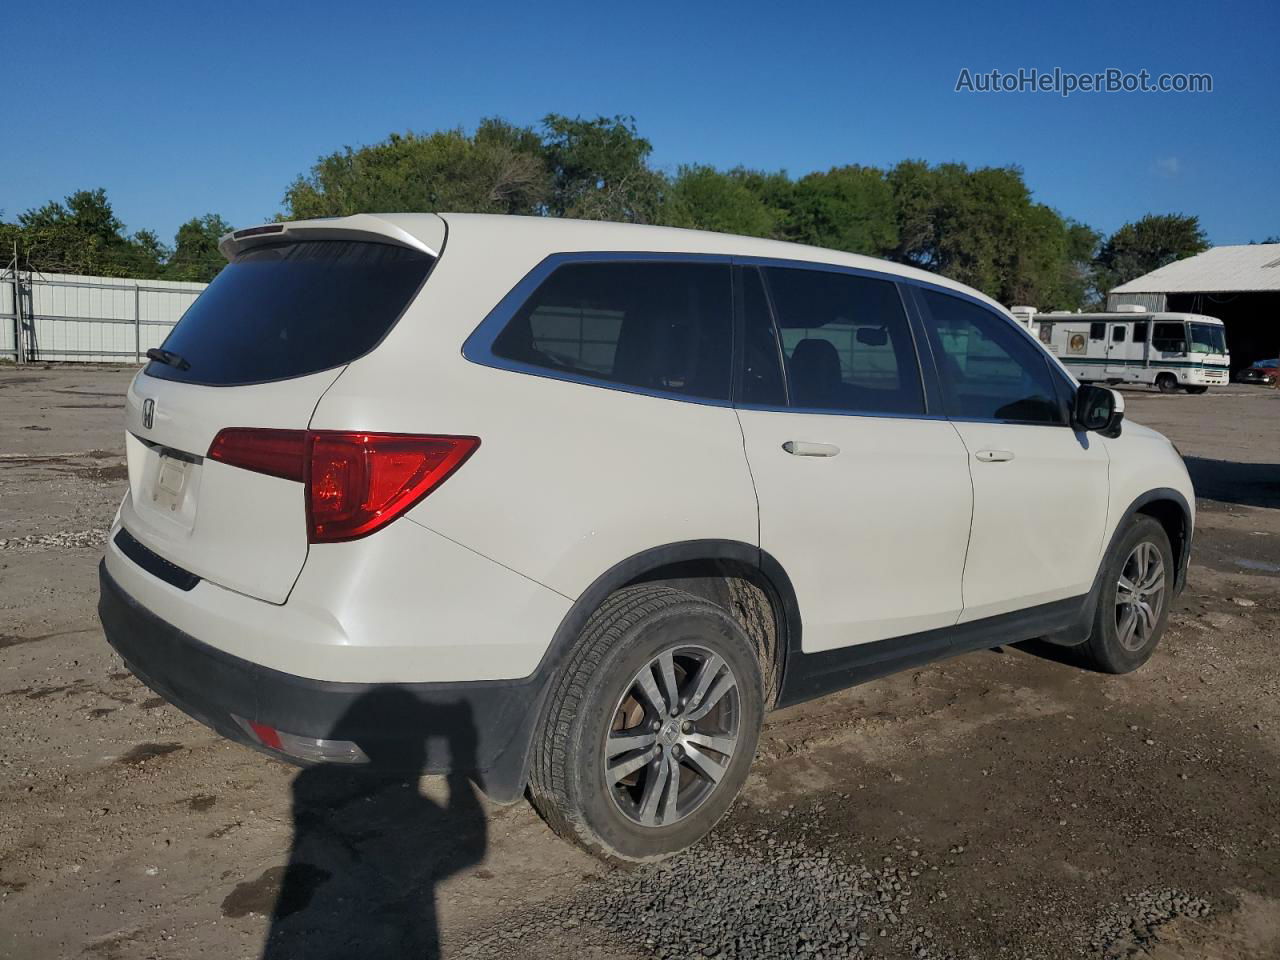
(988, 369)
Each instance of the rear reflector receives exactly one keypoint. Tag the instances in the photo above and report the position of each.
(314, 749)
(354, 483)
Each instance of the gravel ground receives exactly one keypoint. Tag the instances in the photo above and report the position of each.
(1002, 804)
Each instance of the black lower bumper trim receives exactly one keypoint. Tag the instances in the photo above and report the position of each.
(153, 563)
(480, 728)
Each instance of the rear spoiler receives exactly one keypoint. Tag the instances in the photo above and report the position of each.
(361, 226)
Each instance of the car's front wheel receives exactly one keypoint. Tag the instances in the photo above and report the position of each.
(1133, 605)
(651, 728)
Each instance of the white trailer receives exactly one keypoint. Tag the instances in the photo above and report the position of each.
(1171, 351)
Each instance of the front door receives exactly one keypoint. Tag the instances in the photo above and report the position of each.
(1039, 487)
(864, 499)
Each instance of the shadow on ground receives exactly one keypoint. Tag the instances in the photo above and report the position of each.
(369, 849)
(1249, 484)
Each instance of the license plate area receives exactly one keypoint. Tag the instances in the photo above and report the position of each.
(172, 484)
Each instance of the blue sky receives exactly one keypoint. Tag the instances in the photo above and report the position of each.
(180, 109)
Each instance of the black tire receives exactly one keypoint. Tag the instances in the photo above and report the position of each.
(568, 783)
(1107, 648)
(1199, 389)
(1167, 383)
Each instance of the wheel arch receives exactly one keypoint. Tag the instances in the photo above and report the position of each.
(1171, 510)
(700, 567)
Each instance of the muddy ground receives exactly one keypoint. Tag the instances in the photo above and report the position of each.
(1002, 804)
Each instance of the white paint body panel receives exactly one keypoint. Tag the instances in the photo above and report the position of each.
(1141, 459)
(403, 606)
(1039, 517)
(872, 538)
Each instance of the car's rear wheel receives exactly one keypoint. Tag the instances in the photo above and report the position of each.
(1133, 606)
(1167, 383)
(652, 727)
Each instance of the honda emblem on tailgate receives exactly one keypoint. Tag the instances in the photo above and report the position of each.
(148, 412)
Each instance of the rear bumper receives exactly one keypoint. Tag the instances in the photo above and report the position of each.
(479, 728)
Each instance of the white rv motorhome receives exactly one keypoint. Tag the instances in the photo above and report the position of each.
(1171, 351)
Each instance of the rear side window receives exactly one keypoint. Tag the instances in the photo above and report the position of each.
(654, 325)
(291, 309)
(846, 342)
(989, 370)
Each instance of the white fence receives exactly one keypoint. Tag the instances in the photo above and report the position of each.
(88, 319)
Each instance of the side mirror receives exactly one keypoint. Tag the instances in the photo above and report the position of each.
(873, 336)
(1098, 409)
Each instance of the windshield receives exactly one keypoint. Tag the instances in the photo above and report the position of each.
(290, 309)
(1208, 338)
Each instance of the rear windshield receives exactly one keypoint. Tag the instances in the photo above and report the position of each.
(290, 309)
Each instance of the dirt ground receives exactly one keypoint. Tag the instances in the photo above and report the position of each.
(1001, 804)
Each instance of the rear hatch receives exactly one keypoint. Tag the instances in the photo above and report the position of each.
(258, 349)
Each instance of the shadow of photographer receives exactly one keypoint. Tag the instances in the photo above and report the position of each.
(369, 849)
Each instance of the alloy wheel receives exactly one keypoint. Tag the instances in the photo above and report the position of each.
(1140, 596)
(672, 736)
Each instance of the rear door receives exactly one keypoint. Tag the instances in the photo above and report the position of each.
(257, 349)
(1039, 488)
(864, 498)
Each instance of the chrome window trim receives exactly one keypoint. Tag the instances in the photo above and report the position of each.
(478, 347)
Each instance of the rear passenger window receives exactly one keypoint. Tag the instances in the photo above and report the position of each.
(658, 326)
(988, 368)
(846, 342)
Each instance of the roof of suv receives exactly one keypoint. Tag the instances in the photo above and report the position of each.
(548, 235)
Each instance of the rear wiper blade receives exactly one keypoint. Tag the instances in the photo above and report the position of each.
(168, 357)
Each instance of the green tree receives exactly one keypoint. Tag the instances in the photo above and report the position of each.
(599, 170)
(83, 235)
(704, 198)
(983, 228)
(499, 169)
(847, 208)
(195, 254)
(1148, 244)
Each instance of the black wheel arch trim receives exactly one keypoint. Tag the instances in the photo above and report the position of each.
(772, 577)
(1182, 549)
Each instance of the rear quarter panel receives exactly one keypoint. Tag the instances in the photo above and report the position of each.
(569, 479)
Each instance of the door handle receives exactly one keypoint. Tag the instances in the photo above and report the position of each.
(807, 448)
(994, 456)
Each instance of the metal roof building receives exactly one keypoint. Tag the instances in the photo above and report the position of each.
(1240, 285)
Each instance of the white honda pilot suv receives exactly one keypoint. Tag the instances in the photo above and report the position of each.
(566, 507)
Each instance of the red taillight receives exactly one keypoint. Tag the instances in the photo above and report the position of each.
(359, 482)
(278, 453)
(354, 482)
